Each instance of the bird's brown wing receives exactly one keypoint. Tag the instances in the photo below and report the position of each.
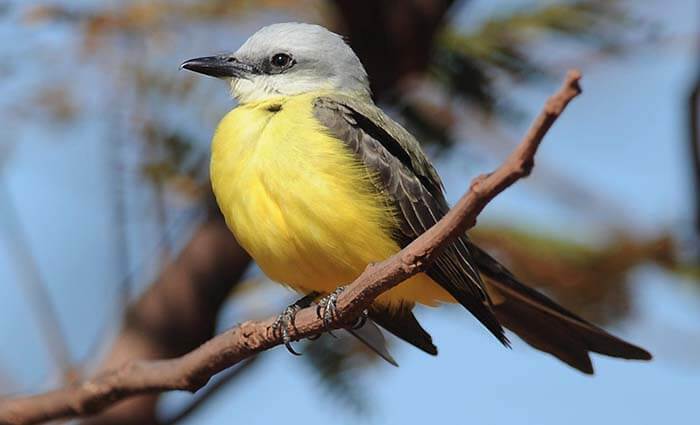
(406, 180)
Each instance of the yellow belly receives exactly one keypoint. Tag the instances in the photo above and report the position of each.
(300, 203)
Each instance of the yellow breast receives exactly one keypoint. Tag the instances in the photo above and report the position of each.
(299, 202)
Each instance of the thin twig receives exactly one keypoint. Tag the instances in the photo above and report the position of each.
(193, 370)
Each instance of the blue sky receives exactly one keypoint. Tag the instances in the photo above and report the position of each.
(623, 138)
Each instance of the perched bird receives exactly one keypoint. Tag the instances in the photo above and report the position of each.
(315, 182)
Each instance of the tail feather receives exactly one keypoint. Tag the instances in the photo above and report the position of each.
(546, 325)
(372, 337)
(535, 328)
(402, 323)
(453, 270)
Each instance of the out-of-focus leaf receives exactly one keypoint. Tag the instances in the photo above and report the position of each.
(469, 65)
(502, 44)
(590, 279)
(170, 152)
(149, 16)
(56, 101)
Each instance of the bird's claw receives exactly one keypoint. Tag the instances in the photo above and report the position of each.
(286, 319)
(327, 308)
(281, 325)
(361, 320)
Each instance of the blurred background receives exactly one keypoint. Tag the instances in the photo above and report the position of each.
(111, 247)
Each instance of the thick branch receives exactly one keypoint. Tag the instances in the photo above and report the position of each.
(192, 371)
(230, 376)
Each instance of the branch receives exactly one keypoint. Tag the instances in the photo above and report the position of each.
(192, 371)
(207, 392)
(178, 312)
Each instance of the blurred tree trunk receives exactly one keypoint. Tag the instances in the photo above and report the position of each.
(394, 38)
(178, 313)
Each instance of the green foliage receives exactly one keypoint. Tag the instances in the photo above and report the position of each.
(591, 279)
(173, 150)
(469, 63)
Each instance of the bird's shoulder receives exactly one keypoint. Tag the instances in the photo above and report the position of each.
(368, 130)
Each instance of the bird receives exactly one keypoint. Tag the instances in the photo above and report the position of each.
(315, 181)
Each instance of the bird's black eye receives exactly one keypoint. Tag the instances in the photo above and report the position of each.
(281, 60)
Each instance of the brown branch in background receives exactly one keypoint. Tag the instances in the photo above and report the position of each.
(155, 328)
(178, 312)
(193, 370)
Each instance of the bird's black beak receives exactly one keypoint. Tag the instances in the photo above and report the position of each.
(222, 66)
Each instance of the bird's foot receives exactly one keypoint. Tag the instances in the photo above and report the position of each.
(326, 308)
(281, 325)
(286, 319)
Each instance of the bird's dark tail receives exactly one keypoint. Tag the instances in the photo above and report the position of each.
(402, 323)
(544, 324)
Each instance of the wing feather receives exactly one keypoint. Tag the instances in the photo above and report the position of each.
(410, 185)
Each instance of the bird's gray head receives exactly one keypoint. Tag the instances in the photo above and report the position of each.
(285, 60)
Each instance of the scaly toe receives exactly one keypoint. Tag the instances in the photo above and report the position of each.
(327, 308)
(281, 325)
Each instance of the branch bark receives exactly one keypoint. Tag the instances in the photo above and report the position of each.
(231, 375)
(192, 371)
